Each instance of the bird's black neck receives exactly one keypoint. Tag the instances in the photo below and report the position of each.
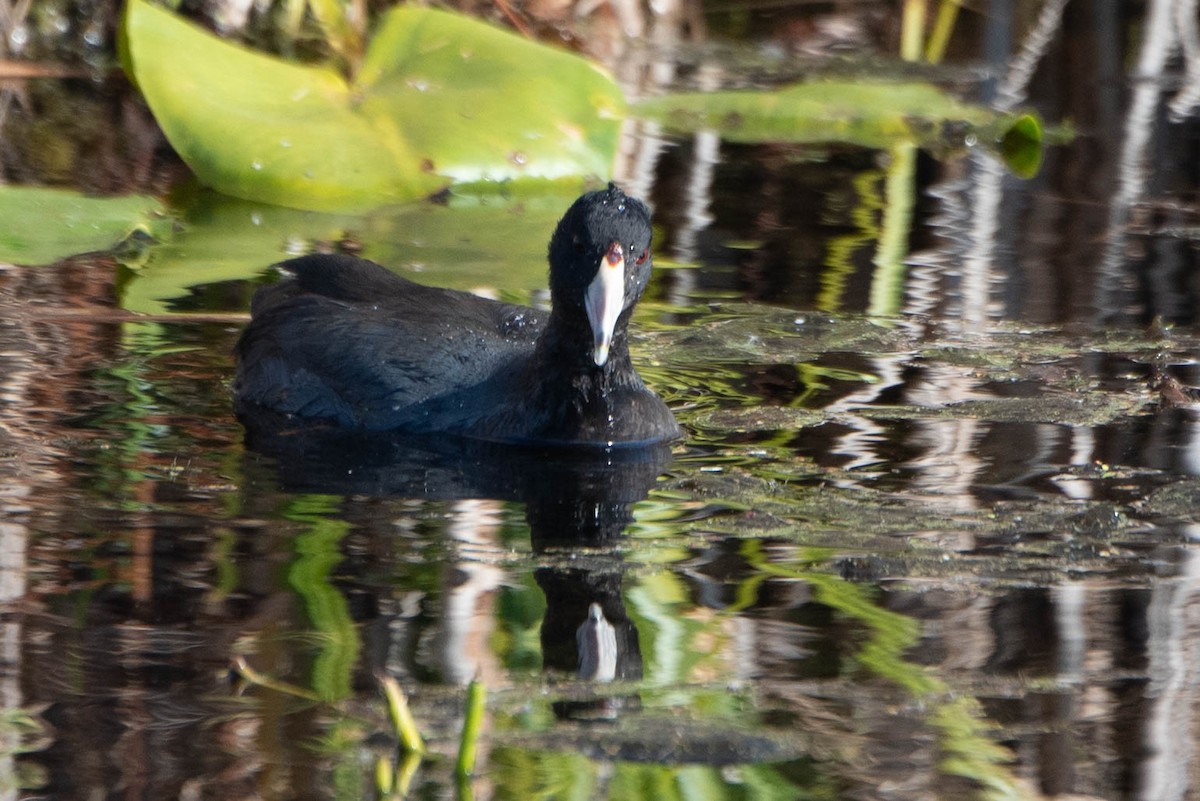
(572, 398)
(565, 348)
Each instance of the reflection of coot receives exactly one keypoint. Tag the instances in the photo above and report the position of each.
(574, 600)
(573, 499)
(347, 343)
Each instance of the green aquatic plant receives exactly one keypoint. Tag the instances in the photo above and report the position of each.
(472, 728)
(423, 110)
(242, 668)
(439, 99)
(870, 113)
(43, 225)
(914, 46)
(401, 715)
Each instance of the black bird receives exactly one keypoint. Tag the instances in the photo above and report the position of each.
(344, 342)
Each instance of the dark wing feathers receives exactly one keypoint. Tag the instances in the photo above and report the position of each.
(349, 341)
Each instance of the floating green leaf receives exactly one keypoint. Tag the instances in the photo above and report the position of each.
(483, 104)
(1021, 146)
(870, 114)
(439, 98)
(41, 225)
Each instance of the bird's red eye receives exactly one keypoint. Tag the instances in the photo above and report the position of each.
(578, 243)
(642, 258)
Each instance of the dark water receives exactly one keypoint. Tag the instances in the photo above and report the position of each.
(931, 534)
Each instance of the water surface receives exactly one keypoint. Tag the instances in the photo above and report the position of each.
(931, 532)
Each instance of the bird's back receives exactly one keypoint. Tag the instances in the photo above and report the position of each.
(347, 341)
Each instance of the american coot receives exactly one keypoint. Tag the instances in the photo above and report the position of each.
(345, 342)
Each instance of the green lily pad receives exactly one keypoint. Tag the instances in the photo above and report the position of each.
(439, 98)
(869, 114)
(40, 225)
